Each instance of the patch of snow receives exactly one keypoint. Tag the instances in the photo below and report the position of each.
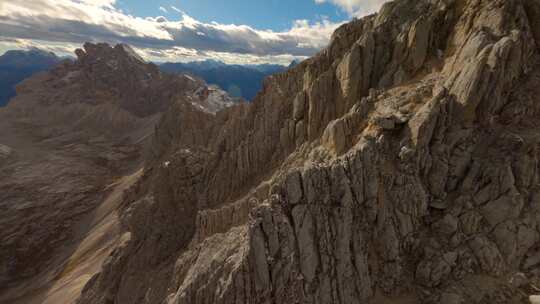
(218, 99)
(211, 99)
(166, 164)
(534, 299)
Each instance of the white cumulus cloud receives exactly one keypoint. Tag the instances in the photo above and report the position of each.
(73, 22)
(356, 8)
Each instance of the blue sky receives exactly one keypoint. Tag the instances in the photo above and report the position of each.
(268, 14)
(233, 31)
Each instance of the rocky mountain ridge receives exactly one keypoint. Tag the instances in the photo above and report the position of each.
(71, 142)
(399, 165)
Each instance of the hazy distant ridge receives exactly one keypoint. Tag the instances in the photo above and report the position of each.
(238, 80)
(17, 65)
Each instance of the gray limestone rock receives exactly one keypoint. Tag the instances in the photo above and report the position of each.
(398, 165)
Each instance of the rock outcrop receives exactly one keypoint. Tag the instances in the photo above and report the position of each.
(71, 142)
(399, 165)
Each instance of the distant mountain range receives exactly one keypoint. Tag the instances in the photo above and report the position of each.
(17, 65)
(238, 80)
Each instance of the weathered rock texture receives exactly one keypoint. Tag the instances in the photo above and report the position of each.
(399, 165)
(70, 143)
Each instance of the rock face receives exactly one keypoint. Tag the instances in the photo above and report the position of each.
(399, 165)
(71, 142)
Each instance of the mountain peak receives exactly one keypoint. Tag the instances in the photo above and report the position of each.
(129, 51)
(104, 51)
(40, 52)
(33, 51)
(118, 76)
(28, 58)
(294, 63)
(17, 65)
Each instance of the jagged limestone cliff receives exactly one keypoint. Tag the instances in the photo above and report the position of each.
(70, 143)
(399, 165)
